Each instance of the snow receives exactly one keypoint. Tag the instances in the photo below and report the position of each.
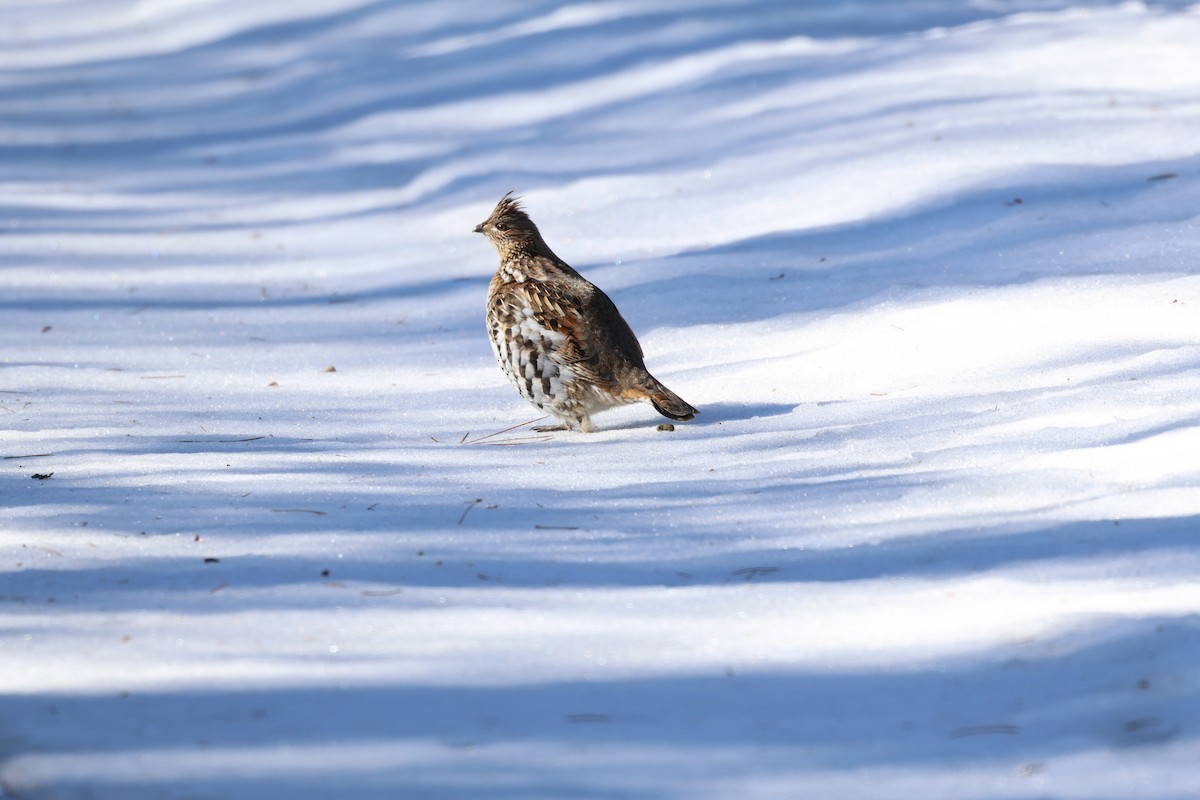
(927, 269)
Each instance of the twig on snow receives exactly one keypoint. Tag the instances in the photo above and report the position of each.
(470, 504)
(484, 439)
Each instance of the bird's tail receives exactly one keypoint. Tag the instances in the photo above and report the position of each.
(668, 403)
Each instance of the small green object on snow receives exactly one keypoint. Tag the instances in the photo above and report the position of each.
(666, 426)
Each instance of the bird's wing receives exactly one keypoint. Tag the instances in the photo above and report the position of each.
(560, 315)
(600, 347)
(576, 324)
(607, 321)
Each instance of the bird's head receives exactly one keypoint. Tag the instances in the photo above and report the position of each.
(510, 229)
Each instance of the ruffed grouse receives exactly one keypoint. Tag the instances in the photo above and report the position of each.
(558, 338)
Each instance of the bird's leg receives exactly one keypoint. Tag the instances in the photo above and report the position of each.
(582, 423)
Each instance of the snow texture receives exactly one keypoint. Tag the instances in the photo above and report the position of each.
(928, 269)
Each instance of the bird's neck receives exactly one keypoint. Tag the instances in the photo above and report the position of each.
(526, 264)
(528, 249)
(526, 246)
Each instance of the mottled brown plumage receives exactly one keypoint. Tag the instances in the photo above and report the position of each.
(558, 338)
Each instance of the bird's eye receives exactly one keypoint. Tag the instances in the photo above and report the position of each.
(501, 226)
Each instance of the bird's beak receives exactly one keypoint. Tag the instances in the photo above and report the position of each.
(479, 228)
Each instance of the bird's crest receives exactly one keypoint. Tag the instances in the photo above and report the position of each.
(512, 232)
(510, 208)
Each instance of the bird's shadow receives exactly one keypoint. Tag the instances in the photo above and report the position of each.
(707, 415)
(730, 412)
